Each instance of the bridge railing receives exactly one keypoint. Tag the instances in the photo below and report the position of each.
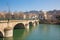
(16, 19)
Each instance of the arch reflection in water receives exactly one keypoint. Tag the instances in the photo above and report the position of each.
(20, 34)
(1, 39)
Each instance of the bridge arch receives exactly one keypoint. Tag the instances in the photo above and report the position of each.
(19, 26)
(1, 34)
(30, 23)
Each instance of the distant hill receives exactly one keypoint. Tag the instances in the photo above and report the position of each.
(54, 12)
(35, 12)
(49, 12)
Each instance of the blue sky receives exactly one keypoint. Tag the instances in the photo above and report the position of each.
(27, 5)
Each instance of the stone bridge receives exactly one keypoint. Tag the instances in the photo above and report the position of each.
(6, 28)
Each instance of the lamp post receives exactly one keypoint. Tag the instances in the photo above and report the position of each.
(8, 11)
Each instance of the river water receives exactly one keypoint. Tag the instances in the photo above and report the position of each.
(39, 32)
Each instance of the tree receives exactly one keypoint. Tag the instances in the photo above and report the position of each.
(58, 19)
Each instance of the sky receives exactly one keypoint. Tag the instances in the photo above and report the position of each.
(28, 5)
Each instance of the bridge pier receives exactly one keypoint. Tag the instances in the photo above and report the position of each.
(34, 24)
(8, 33)
(37, 23)
(26, 26)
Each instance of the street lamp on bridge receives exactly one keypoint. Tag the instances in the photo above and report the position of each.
(8, 16)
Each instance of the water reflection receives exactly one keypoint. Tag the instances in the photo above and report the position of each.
(20, 34)
(41, 32)
(1, 38)
(45, 28)
(9, 38)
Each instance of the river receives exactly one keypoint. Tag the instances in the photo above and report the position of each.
(39, 32)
